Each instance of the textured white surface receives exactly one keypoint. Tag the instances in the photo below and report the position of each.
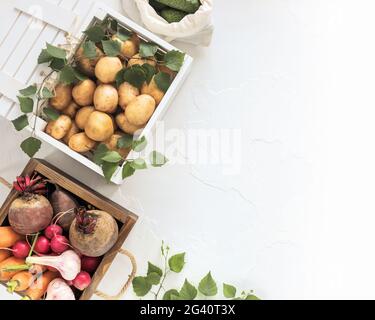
(297, 222)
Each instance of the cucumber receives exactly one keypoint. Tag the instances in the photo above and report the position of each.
(189, 6)
(156, 5)
(173, 15)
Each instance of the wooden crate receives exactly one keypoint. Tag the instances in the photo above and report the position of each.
(124, 217)
(18, 63)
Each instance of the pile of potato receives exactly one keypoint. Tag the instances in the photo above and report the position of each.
(94, 110)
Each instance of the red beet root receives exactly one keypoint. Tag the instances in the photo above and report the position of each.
(82, 281)
(59, 244)
(42, 245)
(90, 264)
(53, 230)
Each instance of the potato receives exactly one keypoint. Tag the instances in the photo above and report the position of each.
(81, 143)
(106, 98)
(107, 68)
(71, 110)
(83, 93)
(127, 93)
(137, 60)
(59, 128)
(86, 65)
(111, 144)
(140, 110)
(125, 125)
(83, 116)
(62, 98)
(129, 47)
(73, 130)
(99, 126)
(153, 90)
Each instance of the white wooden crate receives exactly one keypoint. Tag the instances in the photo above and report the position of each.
(32, 23)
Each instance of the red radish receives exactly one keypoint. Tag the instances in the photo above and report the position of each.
(90, 264)
(82, 281)
(21, 249)
(42, 245)
(31, 212)
(53, 230)
(59, 244)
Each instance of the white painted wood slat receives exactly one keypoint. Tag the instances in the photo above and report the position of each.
(48, 12)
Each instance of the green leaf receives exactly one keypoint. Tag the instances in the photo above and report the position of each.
(114, 25)
(112, 157)
(139, 145)
(123, 34)
(157, 159)
(56, 52)
(175, 297)
(153, 278)
(44, 57)
(135, 76)
(109, 170)
(89, 49)
(120, 77)
(229, 291)
(168, 295)
(188, 291)
(125, 141)
(149, 71)
(174, 60)
(141, 286)
(57, 64)
(95, 34)
(79, 76)
(111, 48)
(21, 123)
(99, 153)
(163, 81)
(67, 75)
(26, 104)
(46, 94)
(177, 262)
(29, 91)
(138, 164)
(31, 146)
(208, 286)
(51, 113)
(147, 49)
(127, 170)
(252, 297)
(154, 269)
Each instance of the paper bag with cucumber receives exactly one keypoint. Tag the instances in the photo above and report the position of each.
(181, 20)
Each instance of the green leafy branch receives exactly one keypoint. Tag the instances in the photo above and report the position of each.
(154, 282)
(110, 160)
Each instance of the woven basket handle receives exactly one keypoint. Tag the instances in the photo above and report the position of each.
(127, 284)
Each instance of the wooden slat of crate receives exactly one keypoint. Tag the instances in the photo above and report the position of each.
(51, 35)
(55, 175)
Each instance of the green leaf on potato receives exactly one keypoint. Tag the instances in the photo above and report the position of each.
(57, 64)
(109, 170)
(112, 157)
(174, 60)
(163, 81)
(147, 50)
(111, 48)
(47, 94)
(56, 52)
(89, 49)
(67, 75)
(99, 153)
(51, 113)
(135, 76)
(126, 141)
(95, 34)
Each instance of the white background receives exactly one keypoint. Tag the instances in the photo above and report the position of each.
(297, 77)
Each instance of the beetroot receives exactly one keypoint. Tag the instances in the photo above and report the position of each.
(90, 264)
(93, 233)
(31, 212)
(63, 207)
